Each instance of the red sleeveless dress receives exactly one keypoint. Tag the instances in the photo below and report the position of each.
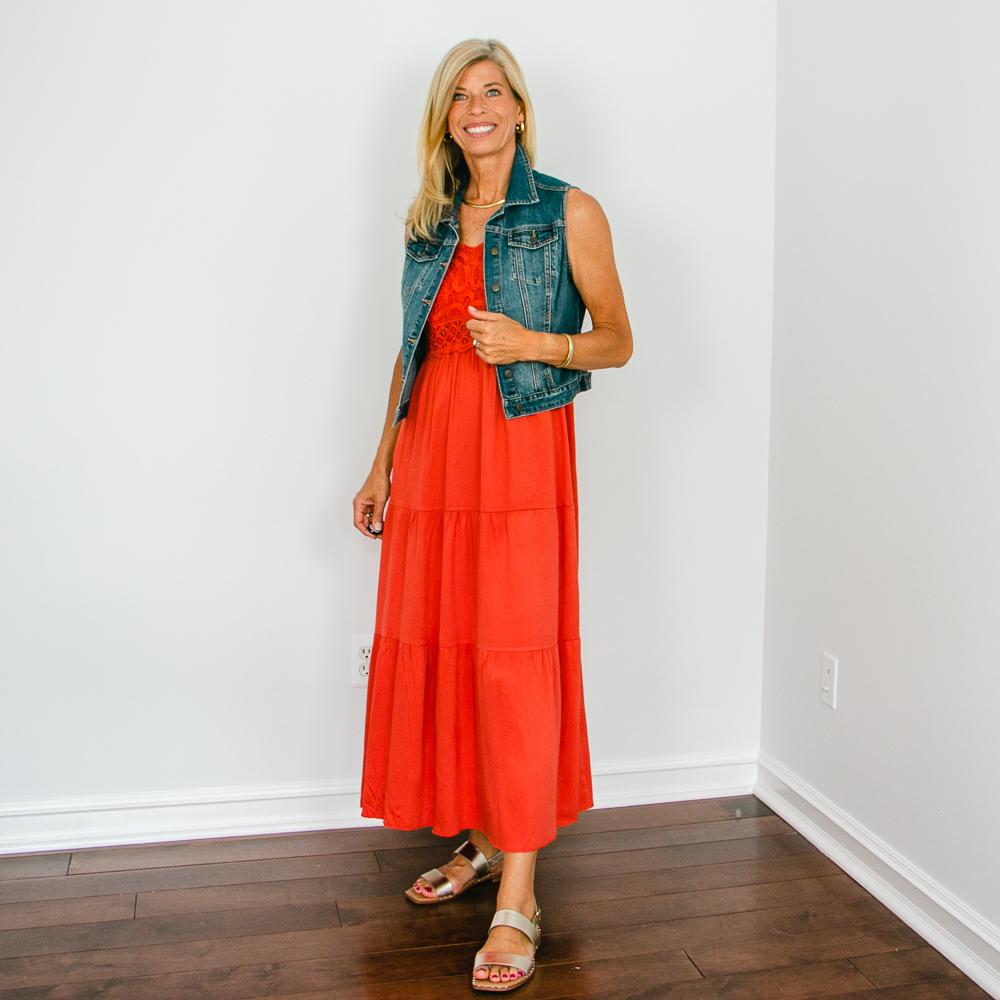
(475, 711)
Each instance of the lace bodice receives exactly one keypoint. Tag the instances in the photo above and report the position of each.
(462, 286)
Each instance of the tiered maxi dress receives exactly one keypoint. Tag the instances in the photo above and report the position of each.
(475, 712)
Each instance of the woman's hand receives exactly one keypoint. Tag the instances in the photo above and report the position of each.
(501, 340)
(369, 502)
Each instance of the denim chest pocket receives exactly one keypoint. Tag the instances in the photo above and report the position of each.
(532, 251)
(417, 264)
(419, 250)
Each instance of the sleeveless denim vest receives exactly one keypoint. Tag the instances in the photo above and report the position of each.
(526, 276)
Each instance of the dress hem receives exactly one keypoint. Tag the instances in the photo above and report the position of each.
(370, 812)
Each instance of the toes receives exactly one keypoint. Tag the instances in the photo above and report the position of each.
(502, 973)
(498, 973)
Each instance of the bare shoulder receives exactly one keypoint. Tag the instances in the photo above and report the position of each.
(584, 215)
(588, 234)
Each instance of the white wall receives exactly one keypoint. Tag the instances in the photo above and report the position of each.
(202, 208)
(883, 535)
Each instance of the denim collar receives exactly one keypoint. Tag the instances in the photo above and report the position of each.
(520, 188)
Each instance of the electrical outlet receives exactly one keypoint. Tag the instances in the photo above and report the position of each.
(361, 655)
(828, 680)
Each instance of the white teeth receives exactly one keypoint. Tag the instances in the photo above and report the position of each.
(480, 129)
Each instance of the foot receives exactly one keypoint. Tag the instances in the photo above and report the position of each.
(504, 938)
(459, 870)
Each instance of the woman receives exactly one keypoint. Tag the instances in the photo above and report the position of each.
(475, 714)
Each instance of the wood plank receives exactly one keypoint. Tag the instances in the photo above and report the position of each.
(916, 965)
(148, 880)
(18, 866)
(938, 989)
(745, 953)
(80, 910)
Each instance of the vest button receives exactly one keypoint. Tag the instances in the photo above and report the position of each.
(507, 373)
(494, 288)
(494, 251)
(518, 407)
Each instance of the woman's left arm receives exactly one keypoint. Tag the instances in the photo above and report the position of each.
(501, 340)
(592, 264)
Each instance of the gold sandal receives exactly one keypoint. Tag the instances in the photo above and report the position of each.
(485, 868)
(532, 929)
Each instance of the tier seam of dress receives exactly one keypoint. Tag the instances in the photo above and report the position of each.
(480, 510)
(484, 649)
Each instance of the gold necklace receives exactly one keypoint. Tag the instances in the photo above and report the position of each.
(492, 204)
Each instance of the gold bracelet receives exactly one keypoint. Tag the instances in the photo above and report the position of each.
(569, 353)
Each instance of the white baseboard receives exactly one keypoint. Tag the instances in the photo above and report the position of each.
(962, 935)
(193, 814)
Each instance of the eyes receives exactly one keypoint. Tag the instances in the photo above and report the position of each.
(490, 90)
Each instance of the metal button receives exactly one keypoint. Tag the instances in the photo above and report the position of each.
(518, 407)
(494, 288)
(494, 251)
(508, 374)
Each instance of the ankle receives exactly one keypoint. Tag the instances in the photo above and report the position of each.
(479, 840)
(514, 899)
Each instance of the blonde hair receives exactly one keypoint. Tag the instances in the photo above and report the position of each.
(441, 164)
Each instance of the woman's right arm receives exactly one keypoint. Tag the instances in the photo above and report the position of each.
(371, 499)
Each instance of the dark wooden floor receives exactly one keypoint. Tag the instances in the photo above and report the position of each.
(717, 898)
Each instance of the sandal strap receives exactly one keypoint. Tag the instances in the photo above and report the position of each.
(512, 918)
(480, 863)
(522, 962)
(438, 881)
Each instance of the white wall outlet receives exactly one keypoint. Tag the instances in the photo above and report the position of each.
(361, 654)
(828, 680)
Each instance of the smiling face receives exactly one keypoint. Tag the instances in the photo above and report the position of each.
(483, 110)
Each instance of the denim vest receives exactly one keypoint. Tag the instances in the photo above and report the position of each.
(526, 276)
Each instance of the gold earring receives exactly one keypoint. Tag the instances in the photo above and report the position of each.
(519, 127)
(447, 137)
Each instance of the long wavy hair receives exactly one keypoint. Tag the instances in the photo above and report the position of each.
(441, 164)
